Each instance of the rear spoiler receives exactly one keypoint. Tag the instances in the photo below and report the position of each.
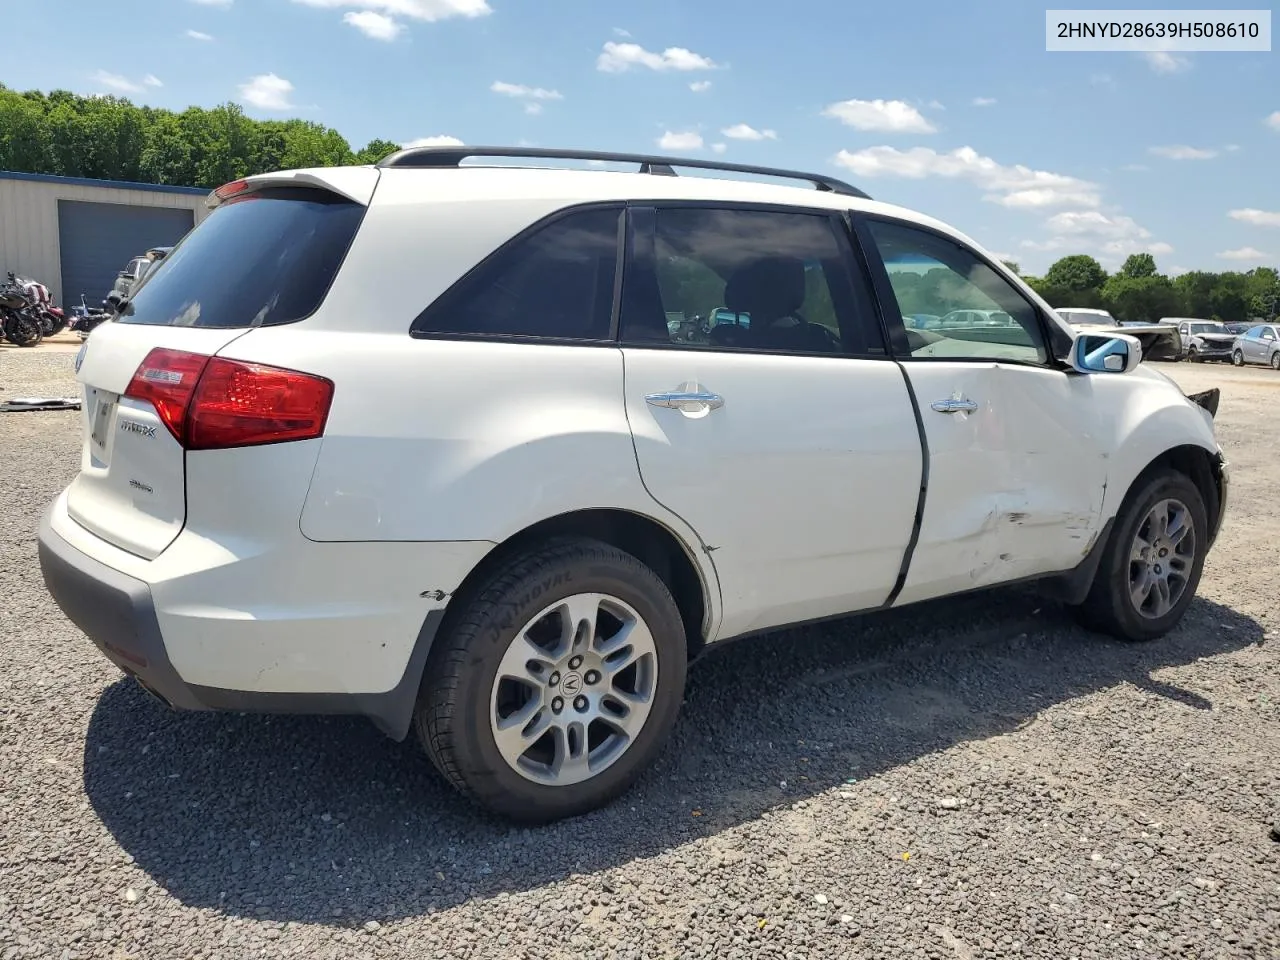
(354, 183)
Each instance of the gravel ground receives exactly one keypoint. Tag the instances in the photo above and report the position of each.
(969, 779)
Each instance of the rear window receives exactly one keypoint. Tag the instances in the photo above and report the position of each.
(262, 259)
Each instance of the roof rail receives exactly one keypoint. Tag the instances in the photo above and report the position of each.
(654, 165)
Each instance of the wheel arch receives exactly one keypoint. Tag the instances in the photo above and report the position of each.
(1202, 466)
(655, 544)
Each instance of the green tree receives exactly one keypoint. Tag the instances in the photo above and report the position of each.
(1196, 290)
(376, 150)
(1139, 265)
(1076, 274)
(1144, 299)
(1012, 265)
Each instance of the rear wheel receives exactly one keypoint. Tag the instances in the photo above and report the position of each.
(1237, 358)
(1193, 354)
(557, 684)
(1152, 563)
(1275, 360)
(25, 332)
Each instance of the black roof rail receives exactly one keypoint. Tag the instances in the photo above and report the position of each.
(654, 165)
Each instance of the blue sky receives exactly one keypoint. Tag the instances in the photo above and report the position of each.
(952, 108)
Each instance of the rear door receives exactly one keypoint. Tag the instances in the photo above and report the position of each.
(265, 258)
(1016, 476)
(790, 445)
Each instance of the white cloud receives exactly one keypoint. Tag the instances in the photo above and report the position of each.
(619, 32)
(719, 147)
(1163, 62)
(427, 10)
(1113, 235)
(1183, 152)
(936, 105)
(690, 140)
(700, 86)
(620, 57)
(116, 82)
(151, 80)
(1273, 121)
(1244, 253)
(1231, 147)
(741, 131)
(894, 116)
(1010, 186)
(520, 91)
(440, 140)
(267, 92)
(376, 26)
(984, 101)
(197, 35)
(1259, 218)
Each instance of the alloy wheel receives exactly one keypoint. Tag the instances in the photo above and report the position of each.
(574, 689)
(1161, 559)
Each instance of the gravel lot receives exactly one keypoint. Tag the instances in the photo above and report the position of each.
(969, 779)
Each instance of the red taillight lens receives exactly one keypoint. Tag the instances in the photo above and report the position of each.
(238, 404)
(167, 379)
(210, 403)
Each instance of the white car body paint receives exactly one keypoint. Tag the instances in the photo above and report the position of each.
(309, 566)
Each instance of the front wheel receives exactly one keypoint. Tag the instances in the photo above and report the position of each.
(1193, 354)
(1237, 358)
(24, 332)
(1275, 360)
(1152, 562)
(556, 684)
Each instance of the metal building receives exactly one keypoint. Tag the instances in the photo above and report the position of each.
(75, 235)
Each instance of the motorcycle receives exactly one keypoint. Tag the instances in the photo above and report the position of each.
(18, 322)
(84, 320)
(52, 319)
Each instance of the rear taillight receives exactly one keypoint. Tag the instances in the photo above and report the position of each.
(210, 403)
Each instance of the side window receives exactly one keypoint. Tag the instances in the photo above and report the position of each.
(983, 317)
(554, 283)
(734, 279)
(1254, 333)
(1269, 333)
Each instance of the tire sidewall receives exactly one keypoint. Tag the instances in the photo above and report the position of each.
(1116, 570)
(1237, 358)
(487, 772)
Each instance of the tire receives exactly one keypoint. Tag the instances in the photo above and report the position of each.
(463, 702)
(25, 332)
(1237, 358)
(1109, 607)
(1275, 360)
(1193, 354)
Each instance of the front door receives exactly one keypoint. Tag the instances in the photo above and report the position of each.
(783, 435)
(1016, 478)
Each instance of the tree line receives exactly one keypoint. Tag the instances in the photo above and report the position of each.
(109, 138)
(1139, 292)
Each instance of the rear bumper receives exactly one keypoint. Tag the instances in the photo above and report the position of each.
(118, 614)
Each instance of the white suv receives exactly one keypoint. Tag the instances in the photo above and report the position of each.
(415, 441)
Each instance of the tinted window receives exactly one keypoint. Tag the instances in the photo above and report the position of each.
(1268, 334)
(985, 317)
(556, 283)
(258, 260)
(1254, 333)
(742, 280)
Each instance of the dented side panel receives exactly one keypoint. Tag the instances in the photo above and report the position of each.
(1016, 487)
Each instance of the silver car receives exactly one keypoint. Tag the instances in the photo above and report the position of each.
(1260, 344)
(1203, 339)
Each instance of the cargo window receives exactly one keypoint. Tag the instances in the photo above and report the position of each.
(262, 259)
(554, 283)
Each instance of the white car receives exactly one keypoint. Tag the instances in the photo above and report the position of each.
(414, 441)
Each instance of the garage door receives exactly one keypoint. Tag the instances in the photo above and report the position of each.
(97, 240)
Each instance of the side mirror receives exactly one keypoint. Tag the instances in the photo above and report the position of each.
(1105, 353)
(114, 299)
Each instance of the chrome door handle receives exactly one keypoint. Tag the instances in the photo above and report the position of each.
(954, 405)
(679, 401)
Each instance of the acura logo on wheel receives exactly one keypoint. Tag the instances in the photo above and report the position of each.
(571, 684)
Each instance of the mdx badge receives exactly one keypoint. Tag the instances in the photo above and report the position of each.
(142, 429)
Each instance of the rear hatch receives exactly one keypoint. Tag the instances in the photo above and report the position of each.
(267, 255)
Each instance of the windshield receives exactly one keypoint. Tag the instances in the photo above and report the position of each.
(1081, 318)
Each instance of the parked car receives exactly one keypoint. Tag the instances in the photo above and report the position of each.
(1087, 317)
(1259, 344)
(133, 274)
(1203, 339)
(1160, 341)
(498, 505)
